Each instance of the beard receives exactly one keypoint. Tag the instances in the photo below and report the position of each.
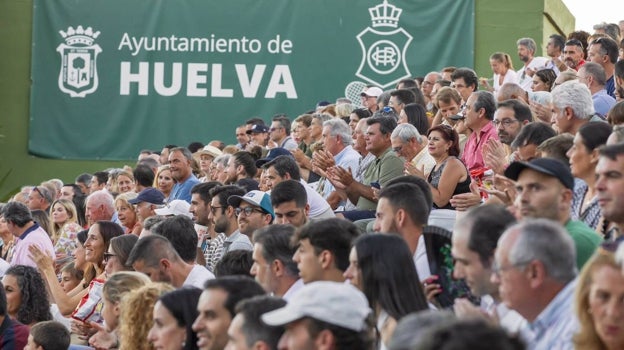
(220, 225)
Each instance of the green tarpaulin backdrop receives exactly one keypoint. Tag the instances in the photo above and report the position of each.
(111, 78)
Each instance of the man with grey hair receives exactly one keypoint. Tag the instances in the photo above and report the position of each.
(180, 160)
(427, 87)
(572, 106)
(409, 144)
(594, 77)
(40, 198)
(337, 144)
(526, 52)
(535, 271)
(99, 206)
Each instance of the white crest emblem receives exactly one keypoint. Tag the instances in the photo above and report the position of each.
(78, 76)
(384, 47)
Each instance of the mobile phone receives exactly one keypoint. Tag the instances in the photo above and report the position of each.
(375, 184)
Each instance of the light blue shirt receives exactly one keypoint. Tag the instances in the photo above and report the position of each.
(182, 190)
(556, 325)
(347, 158)
(602, 102)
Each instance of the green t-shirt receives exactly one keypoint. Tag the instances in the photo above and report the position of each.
(585, 239)
(382, 170)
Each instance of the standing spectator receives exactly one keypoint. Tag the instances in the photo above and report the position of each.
(526, 52)
(180, 160)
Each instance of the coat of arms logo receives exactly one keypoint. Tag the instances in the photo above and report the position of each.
(78, 76)
(384, 47)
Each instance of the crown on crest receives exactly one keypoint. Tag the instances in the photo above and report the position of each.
(385, 15)
(79, 35)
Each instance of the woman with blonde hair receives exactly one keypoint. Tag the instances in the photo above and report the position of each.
(136, 320)
(163, 181)
(503, 72)
(121, 181)
(115, 288)
(126, 213)
(598, 304)
(65, 227)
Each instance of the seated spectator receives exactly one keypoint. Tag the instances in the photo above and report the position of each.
(20, 223)
(323, 249)
(66, 301)
(409, 331)
(583, 163)
(13, 334)
(600, 287)
(163, 181)
(544, 190)
(27, 299)
(236, 262)
(71, 276)
(136, 317)
(126, 214)
(174, 314)
(117, 255)
(535, 271)
(449, 176)
(325, 312)
(155, 256)
(467, 334)
(247, 331)
(47, 335)
(8, 240)
(113, 291)
(216, 308)
(64, 227)
(273, 266)
(389, 281)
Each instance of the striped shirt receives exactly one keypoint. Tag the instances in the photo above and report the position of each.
(556, 325)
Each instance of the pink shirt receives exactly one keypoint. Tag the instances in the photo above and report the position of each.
(33, 236)
(473, 151)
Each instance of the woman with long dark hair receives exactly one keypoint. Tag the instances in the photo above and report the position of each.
(382, 267)
(174, 314)
(27, 299)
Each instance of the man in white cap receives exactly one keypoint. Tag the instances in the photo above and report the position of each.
(324, 315)
(174, 208)
(369, 98)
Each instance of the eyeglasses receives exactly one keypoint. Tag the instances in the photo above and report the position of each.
(247, 210)
(108, 256)
(213, 209)
(505, 122)
(497, 269)
(273, 129)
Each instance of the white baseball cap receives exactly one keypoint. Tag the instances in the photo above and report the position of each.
(175, 207)
(372, 91)
(339, 304)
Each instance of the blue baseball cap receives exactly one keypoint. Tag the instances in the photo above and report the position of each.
(149, 195)
(273, 153)
(257, 129)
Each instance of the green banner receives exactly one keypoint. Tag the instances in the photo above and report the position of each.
(110, 78)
